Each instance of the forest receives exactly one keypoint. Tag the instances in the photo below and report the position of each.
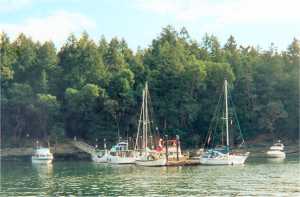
(93, 89)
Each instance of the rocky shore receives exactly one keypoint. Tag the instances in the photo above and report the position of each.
(61, 151)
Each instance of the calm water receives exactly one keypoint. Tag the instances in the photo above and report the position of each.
(258, 177)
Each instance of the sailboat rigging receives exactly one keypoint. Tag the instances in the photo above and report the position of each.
(150, 149)
(223, 155)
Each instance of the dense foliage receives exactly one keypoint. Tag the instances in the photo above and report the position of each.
(93, 89)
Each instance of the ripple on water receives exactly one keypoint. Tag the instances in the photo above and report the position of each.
(86, 178)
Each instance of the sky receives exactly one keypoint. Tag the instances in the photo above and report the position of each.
(251, 22)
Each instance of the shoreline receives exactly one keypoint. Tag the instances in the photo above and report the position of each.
(68, 151)
(61, 151)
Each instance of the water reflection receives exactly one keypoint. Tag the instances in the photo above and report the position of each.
(43, 170)
(45, 183)
(258, 177)
(276, 160)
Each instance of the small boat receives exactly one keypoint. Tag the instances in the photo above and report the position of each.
(223, 155)
(120, 154)
(42, 155)
(276, 151)
(101, 156)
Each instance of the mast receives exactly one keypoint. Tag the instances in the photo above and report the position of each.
(137, 143)
(146, 115)
(143, 116)
(226, 112)
(144, 121)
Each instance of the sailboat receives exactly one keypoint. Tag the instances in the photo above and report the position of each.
(153, 150)
(146, 152)
(223, 155)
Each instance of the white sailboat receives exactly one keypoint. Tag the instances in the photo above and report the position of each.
(223, 155)
(146, 153)
(276, 151)
(42, 155)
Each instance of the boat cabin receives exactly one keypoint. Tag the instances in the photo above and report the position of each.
(121, 149)
(42, 152)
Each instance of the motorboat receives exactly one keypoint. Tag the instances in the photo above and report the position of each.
(276, 151)
(42, 155)
(120, 154)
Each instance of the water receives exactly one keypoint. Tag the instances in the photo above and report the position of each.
(258, 177)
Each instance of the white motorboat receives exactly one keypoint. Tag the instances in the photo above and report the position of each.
(276, 151)
(223, 156)
(120, 154)
(42, 155)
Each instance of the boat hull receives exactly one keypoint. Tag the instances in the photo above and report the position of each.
(98, 159)
(41, 160)
(120, 160)
(151, 163)
(225, 160)
(275, 154)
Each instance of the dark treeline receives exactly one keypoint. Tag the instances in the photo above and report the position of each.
(93, 89)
